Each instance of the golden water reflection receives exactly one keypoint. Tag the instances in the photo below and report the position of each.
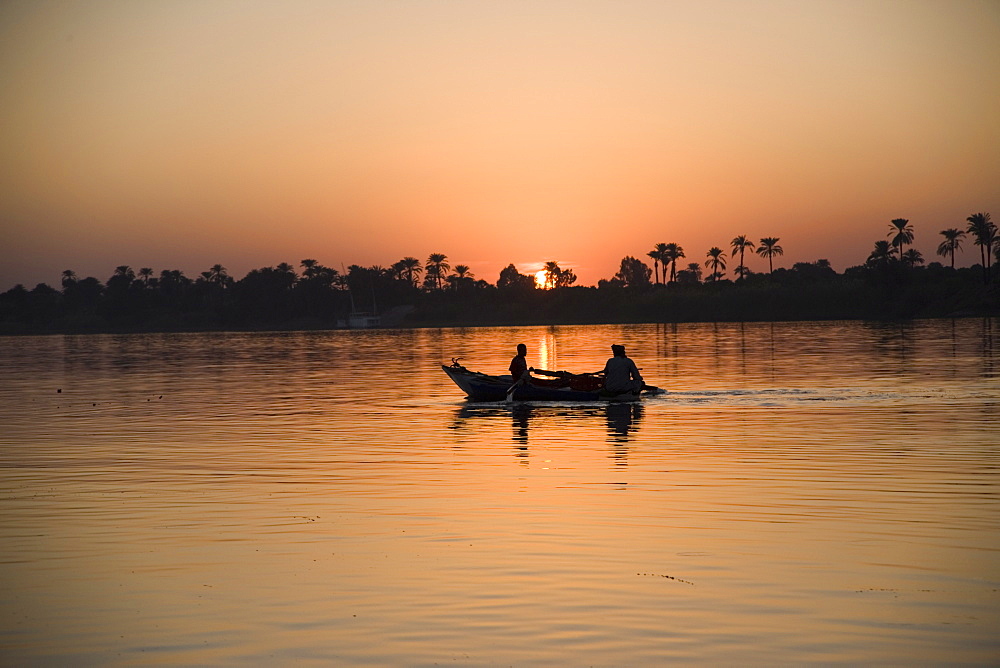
(803, 493)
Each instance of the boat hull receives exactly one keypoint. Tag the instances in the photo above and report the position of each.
(482, 387)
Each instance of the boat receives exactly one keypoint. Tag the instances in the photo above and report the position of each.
(557, 386)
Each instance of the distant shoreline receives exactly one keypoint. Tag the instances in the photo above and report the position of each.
(789, 296)
(264, 330)
(465, 323)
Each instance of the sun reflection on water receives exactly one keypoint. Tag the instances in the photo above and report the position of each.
(830, 483)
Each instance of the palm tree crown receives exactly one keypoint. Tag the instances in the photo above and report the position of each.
(716, 260)
(913, 257)
(952, 242)
(901, 232)
(882, 255)
(769, 248)
(217, 274)
(308, 267)
(671, 254)
(436, 268)
(411, 266)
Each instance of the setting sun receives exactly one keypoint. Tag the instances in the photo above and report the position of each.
(540, 278)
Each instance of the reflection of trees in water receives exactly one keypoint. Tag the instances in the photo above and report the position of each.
(716, 348)
(743, 348)
(891, 341)
(956, 348)
(771, 345)
(988, 350)
(667, 344)
(621, 420)
(988, 364)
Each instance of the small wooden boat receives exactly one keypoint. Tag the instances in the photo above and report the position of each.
(557, 386)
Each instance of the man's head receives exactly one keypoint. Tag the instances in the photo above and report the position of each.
(617, 350)
(522, 349)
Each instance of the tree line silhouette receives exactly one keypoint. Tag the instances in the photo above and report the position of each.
(892, 282)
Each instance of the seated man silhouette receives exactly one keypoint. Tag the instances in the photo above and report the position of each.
(621, 374)
(519, 365)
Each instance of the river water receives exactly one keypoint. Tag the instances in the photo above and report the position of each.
(804, 493)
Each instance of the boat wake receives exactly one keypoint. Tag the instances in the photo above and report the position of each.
(775, 397)
(869, 397)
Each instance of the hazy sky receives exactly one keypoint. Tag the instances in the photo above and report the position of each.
(178, 134)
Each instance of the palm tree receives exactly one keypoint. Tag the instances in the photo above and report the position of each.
(985, 232)
(286, 275)
(769, 248)
(658, 254)
(671, 254)
(740, 244)
(692, 273)
(144, 275)
(121, 280)
(217, 274)
(436, 268)
(461, 279)
(398, 271)
(173, 282)
(716, 258)
(882, 255)
(308, 268)
(901, 232)
(952, 242)
(68, 278)
(655, 257)
(913, 257)
(411, 267)
(552, 273)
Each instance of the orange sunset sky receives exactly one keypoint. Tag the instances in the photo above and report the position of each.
(177, 134)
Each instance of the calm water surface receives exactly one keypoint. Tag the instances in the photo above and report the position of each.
(806, 493)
